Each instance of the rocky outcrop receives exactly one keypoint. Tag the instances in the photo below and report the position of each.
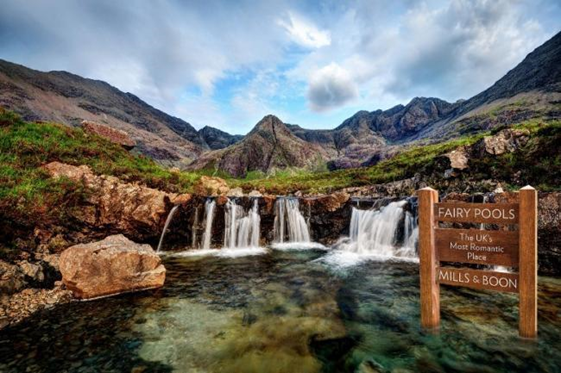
(117, 207)
(114, 135)
(211, 186)
(112, 266)
(505, 141)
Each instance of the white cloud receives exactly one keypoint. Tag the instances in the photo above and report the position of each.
(330, 87)
(303, 32)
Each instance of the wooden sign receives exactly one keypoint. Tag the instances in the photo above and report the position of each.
(504, 213)
(476, 279)
(477, 246)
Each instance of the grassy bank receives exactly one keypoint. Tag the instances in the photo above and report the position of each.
(28, 194)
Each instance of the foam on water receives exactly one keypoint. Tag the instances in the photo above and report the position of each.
(287, 246)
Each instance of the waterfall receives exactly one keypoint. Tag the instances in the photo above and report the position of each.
(410, 235)
(166, 225)
(209, 217)
(289, 221)
(375, 232)
(242, 229)
(194, 228)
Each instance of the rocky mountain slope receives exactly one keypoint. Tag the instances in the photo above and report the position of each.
(217, 139)
(269, 146)
(66, 98)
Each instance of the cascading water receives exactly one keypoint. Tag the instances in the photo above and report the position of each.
(242, 229)
(209, 218)
(194, 229)
(375, 232)
(410, 235)
(289, 222)
(166, 225)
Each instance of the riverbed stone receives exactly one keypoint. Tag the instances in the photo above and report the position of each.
(112, 266)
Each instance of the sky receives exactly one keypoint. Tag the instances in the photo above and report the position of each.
(227, 64)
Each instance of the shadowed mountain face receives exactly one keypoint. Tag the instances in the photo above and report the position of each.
(69, 99)
(532, 89)
(269, 146)
(217, 139)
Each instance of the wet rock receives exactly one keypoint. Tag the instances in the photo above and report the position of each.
(112, 266)
(255, 193)
(211, 186)
(112, 134)
(370, 366)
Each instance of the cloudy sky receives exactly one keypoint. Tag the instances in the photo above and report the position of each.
(229, 63)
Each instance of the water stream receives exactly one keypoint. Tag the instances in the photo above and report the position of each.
(242, 228)
(210, 205)
(290, 224)
(166, 225)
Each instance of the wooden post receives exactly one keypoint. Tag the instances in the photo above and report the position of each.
(528, 267)
(430, 290)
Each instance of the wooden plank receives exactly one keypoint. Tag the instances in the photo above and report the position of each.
(430, 290)
(528, 327)
(491, 213)
(477, 279)
(477, 246)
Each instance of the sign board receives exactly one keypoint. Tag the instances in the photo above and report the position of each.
(502, 247)
(477, 246)
(476, 279)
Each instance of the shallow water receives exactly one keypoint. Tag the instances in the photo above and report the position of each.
(285, 311)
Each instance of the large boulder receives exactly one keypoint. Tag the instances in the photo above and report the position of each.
(112, 266)
(112, 134)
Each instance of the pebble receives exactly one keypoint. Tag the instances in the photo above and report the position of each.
(16, 307)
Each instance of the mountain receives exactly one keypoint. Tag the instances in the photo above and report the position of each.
(269, 146)
(532, 89)
(217, 139)
(367, 135)
(67, 98)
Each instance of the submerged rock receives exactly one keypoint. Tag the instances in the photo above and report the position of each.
(112, 266)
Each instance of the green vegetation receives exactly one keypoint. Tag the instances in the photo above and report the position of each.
(27, 192)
